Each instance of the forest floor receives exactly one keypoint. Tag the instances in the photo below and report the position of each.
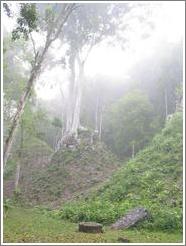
(23, 225)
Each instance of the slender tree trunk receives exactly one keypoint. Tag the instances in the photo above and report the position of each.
(166, 104)
(100, 125)
(17, 176)
(18, 169)
(96, 114)
(62, 111)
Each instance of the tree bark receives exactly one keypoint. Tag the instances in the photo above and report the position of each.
(78, 95)
(71, 96)
(75, 94)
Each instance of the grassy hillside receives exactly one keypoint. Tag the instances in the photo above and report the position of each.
(152, 179)
(35, 156)
(70, 174)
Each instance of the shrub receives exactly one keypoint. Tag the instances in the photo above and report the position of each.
(99, 211)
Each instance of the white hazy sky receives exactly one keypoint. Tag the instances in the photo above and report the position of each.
(169, 26)
(169, 19)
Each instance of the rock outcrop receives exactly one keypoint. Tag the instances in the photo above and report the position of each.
(131, 218)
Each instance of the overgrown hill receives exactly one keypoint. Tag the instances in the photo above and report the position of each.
(152, 179)
(35, 155)
(70, 174)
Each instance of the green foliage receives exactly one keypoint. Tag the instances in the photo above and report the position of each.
(129, 122)
(17, 196)
(152, 179)
(103, 212)
(168, 219)
(27, 22)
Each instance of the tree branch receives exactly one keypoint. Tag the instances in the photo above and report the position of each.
(68, 9)
(34, 47)
(89, 49)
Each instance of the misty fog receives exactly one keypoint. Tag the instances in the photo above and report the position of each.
(100, 80)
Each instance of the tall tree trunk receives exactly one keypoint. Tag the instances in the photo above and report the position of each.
(70, 101)
(18, 169)
(70, 104)
(77, 96)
